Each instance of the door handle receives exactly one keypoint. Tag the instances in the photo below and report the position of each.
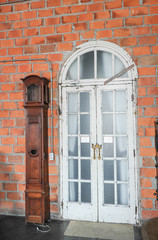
(94, 147)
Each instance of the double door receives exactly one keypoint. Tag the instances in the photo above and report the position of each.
(97, 154)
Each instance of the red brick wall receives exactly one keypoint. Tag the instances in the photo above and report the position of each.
(52, 29)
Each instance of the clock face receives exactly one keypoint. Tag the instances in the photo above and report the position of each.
(33, 93)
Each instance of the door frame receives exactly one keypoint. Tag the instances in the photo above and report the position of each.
(62, 83)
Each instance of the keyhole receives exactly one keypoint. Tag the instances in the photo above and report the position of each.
(33, 151)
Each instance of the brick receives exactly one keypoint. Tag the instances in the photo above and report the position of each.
(14, 196)
(145, 182)
(149, 60)
(16, 131)
(25, 68)
(153, 9)
(148, 162)
(29, 15)
(114, 23)
(6, 205)
(154, 29)
(64, 28)
(150, 132)
(37, 40)
(145, 101)
(20, 140)
(20, 122)
(146, 40)
(54, 39)
(5, 26)
(88, 35)
(15, 33)
(53, 179)
(71, 37)
(101, 15)
(4, 177)
(141, 31)
(132, 3)
(145, 141)
(128, 41)
(32, 49)
(154, 49)
(21, 24)
(47, 30)
(113, 4)
(8, 87)
(146, 203)
(85, 17)
(139, 11)
(52, 21)
(36, 5)
(121, 13)
(151, 111)
(15, 159)
(47, 48)
(18, 177)
(41, 66)
(151, 19)
(133, 21)
(125, 32)
(5, 149)
(54, 208)
(137, 51)
(147, 214)
(69, 2)
(2, 195)
(6, 9)
(10, 186)
(3, 35)
(13, 17)
(31, 32)
(15, 51)
(97, 25)
(4, 131)
(152, 91)
(147, 81)
(7, 43)
(95, 7)
(19, 168)
(16, 96)
(144, 71)
(9, 69)
(19, 205)
(8, 141)
(64, 47)
(80, 26)
(4, 113)
(56, 57)
(2, 158)
(78, 8)
(53, 3)
(8, 123)
(147, 193)
(21, 7)
(62, 10)
(6, 168)
(36, 23)
(3, 96)
(147, 152)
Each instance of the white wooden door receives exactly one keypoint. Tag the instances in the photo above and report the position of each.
(98, 164)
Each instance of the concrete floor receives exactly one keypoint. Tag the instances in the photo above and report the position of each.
(15, 228)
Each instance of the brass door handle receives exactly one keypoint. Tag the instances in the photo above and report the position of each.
(94, 147)
(99, 147)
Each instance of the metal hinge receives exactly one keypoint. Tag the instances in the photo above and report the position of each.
(136, 210)
(132, 97)
(62, 204)
(134, 152)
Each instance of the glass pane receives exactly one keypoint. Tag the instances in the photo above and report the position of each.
(87, 65)
(72, 102)
(121, 101)
(85, 124)
(119, 66)
(122, 170)
(122, 194)
(73, 192)
(109, 170)
(120, 123)
(73, 146)
(107, 101)
(107, 124)
(84, 102)
(108, 193)
(85, 150)
(73, 168)
(85, 170)
(72, 72)
(33, 93)
(86, 192)
(104, 64)
(121, 147)
(72, 124)
(108, 150)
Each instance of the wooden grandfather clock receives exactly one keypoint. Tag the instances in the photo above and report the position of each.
(36, 101)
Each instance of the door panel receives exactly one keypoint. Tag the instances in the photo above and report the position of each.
(98, 180)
